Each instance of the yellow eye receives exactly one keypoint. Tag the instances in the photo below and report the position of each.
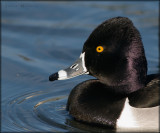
(99, 49)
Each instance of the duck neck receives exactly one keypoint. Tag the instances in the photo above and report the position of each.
(123, 86)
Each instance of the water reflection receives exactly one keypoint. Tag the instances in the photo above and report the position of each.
(25, 58)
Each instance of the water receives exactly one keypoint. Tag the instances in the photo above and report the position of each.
(39, 38)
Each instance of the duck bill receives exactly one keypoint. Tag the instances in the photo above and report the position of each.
(78, 68)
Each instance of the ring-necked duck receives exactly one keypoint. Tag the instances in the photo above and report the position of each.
(123, 91)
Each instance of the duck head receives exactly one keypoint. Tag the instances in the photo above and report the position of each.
(114, 54)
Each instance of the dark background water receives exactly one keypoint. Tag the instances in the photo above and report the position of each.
(39, 38)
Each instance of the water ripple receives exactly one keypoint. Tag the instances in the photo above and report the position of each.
(38, 111)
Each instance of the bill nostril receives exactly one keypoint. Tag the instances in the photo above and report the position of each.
(74, 66)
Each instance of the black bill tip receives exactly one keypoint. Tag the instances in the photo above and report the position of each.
(53, 77)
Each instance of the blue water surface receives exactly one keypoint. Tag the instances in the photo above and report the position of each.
(40, 38)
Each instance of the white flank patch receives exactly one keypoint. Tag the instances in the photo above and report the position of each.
(83, 62)
(138, 119)
(62, 75)
(126, 118)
